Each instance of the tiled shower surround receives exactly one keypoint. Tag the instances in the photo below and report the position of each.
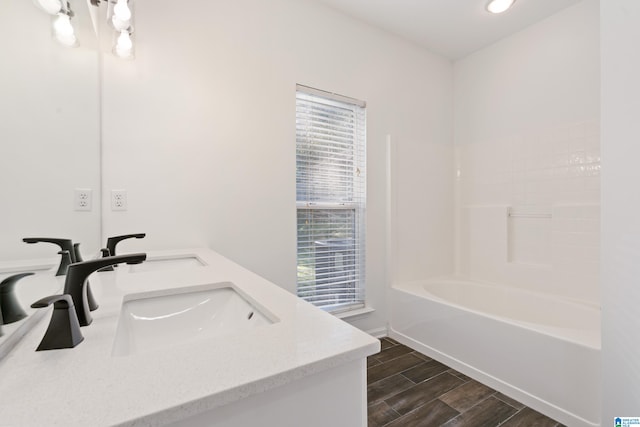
(528, 210)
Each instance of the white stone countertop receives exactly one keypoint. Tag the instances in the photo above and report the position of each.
(86, 386)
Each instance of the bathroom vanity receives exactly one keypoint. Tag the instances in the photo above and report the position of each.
(295, 365)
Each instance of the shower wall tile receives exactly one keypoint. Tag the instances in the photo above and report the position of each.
(528, 240)
(576, 249)
(557, 170)
(560, 165)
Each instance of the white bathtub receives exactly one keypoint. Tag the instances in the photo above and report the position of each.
(541, 350)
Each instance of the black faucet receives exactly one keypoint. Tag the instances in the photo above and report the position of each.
(105, 253)
(113, 241)
(76, 281)
(64, 329)
(76, 252)
(65, 245)
(10, 310)
(65, 262)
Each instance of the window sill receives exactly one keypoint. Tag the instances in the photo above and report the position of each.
(353, 313)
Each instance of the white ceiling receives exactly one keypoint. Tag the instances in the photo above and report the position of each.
(453, 28)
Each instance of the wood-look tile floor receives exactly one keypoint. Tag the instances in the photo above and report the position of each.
(408, 389)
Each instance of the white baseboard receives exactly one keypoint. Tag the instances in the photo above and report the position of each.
(378, 332)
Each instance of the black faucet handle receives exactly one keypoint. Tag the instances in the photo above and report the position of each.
(114, 240)
(9, 305)
(65, 262)
(64, 329)
(105, 253)
(59, 301)
(76, 252)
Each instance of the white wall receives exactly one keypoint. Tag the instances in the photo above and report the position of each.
(49, 135)
(620, 31)
(176, 122)
(527, 138)
(199, 130)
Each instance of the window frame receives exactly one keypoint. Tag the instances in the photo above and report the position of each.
(357, 204)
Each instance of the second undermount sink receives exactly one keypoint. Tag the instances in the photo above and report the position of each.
(154, 320)
(167, 263)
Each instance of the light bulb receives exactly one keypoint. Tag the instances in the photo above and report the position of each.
(62, 25)
(124, 41)
(124, 45)
(118, 24)
(68, 40)
(63, 30)
(121, 11)
(52, 7)
(499, 6)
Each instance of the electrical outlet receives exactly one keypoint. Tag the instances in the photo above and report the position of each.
(118, 200)
(82, 199)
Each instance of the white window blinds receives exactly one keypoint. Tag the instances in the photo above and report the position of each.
(330, 188)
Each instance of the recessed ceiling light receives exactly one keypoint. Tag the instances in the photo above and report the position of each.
(499, 6)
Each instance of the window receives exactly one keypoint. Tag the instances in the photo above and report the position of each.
(330, 190)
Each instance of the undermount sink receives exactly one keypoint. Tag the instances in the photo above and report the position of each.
(172, 263)
(160, 319)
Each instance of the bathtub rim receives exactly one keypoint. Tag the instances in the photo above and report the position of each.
(416, 288)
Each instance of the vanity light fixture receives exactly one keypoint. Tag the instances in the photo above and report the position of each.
(499, 6)
(115, 35)
(63, 30)
(120, 18)
(62, 27)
